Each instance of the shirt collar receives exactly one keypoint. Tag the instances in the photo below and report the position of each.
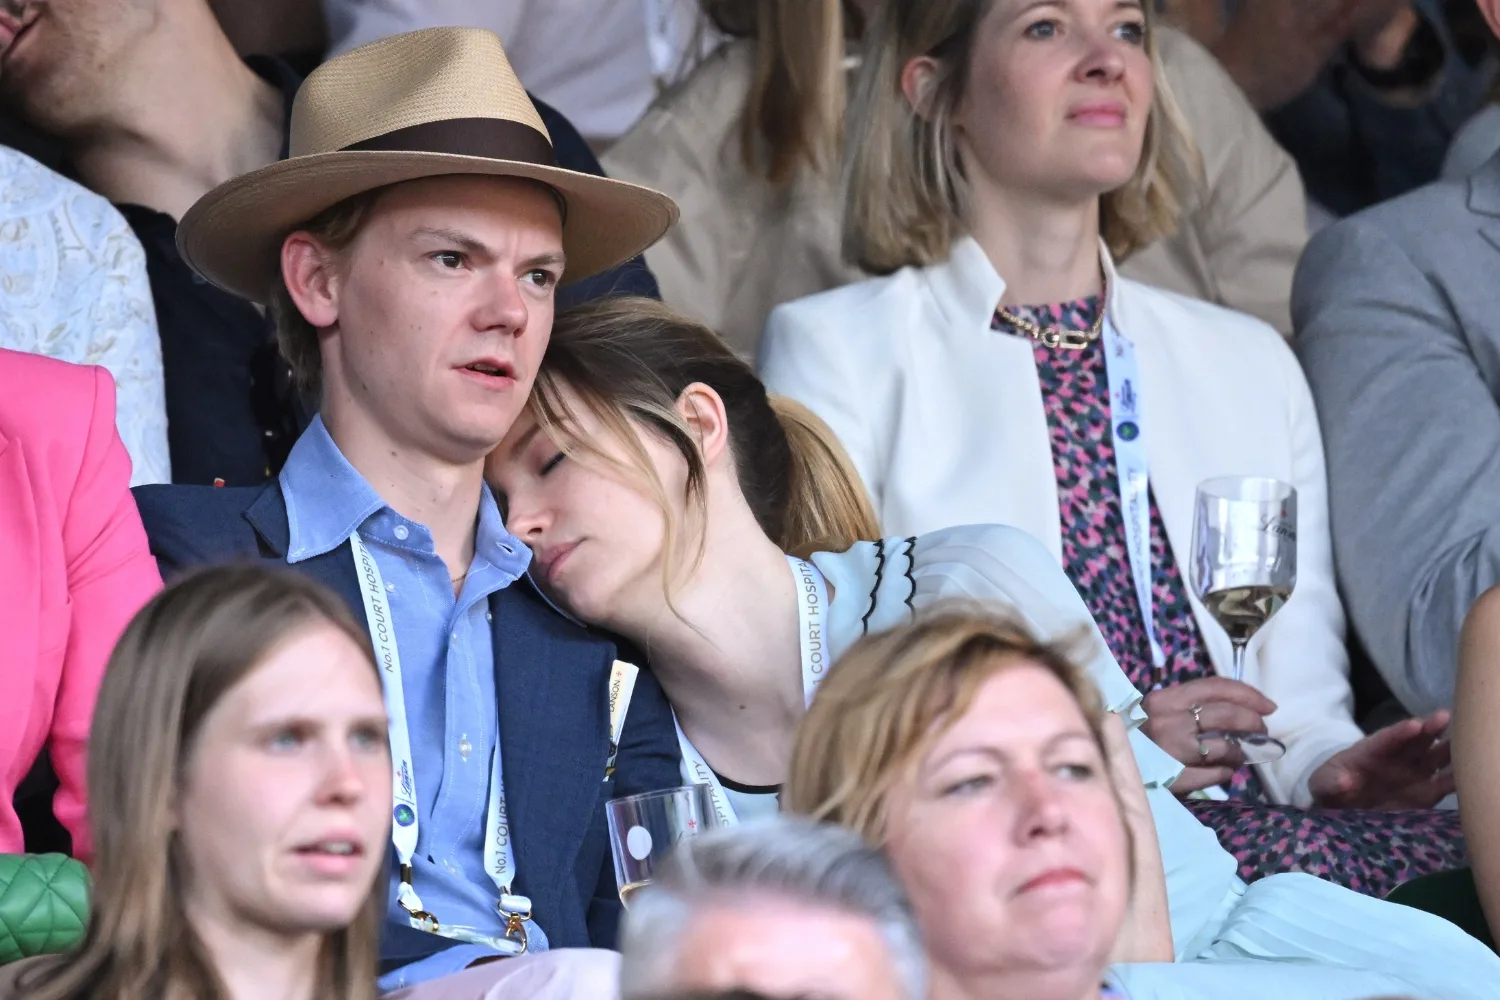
(327, 500)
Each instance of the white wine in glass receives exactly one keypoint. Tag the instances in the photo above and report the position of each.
(1244, 570)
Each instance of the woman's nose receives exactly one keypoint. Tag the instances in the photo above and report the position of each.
(1042, 812)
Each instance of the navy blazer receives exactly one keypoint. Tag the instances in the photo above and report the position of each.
(551, 679)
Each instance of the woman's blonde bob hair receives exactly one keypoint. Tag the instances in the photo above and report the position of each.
(893, 695)
(179, 656)
(906, 197)
(629, 360)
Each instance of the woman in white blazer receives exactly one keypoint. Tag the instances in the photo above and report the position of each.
(1045, 148)
(661, 492)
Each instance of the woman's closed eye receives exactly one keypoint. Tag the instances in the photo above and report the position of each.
(551, 463)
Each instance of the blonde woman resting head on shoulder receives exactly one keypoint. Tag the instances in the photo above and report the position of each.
(1002, 157)
(667, 498)
(979, 759)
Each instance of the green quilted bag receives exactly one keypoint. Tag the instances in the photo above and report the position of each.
(44, 904)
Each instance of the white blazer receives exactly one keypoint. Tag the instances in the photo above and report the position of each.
(943, 418)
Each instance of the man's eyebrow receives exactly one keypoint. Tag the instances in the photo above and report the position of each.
(554, 258)
(461, 240)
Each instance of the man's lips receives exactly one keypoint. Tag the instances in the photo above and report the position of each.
(10, 29)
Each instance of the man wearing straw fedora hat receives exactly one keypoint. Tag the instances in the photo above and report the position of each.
(410, 249)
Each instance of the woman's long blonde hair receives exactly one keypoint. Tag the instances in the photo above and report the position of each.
(891, 696)
(905, 192)
(177, 659)
(628, 361)
(794, 112)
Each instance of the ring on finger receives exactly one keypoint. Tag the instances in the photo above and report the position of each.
(1197, 711)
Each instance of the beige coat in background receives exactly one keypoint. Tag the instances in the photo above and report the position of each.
(743, 248)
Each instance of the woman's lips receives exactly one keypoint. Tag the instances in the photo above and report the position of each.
(1055, 879)
(552, 562)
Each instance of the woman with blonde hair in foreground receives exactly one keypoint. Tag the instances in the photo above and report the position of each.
(979, 759)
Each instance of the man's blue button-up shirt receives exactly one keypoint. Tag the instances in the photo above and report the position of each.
(447, 669)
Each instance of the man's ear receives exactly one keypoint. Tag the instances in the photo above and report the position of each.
(307, 267)
(703, 410)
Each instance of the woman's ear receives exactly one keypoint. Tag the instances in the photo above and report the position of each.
(703, 410)
(917, 78)
(307, 267)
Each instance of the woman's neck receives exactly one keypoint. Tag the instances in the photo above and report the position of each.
(258, 964)
(1046, 252)
(729, 657)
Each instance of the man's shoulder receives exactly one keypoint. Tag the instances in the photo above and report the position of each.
(196, 524)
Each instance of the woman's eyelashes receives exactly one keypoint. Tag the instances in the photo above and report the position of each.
(551, 463)
(1132, 32)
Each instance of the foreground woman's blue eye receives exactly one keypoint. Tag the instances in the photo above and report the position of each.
(1077, 772)
(1042, 29)
(1133, 32)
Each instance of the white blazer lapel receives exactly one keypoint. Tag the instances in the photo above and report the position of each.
(986, 395)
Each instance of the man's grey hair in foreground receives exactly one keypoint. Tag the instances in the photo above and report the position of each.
(782, 858)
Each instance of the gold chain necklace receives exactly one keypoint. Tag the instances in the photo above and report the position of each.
(1055, 336)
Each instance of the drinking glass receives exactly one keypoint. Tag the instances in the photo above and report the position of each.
(1244, 569)
(643, 829)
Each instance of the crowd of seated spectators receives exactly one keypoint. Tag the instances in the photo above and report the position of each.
(424, 423)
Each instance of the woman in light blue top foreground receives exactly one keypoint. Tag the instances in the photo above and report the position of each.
(661, 491)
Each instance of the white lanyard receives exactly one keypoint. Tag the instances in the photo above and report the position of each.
(1129, 433)
(499, 853)
(812, 605)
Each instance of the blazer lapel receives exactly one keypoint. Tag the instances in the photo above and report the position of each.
(551, 679)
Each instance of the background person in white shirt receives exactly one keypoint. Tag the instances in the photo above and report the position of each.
(75, 289)
(600, 62)
(1003, 156)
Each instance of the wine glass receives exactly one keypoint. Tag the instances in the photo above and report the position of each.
(643, 829)
(1244, 569)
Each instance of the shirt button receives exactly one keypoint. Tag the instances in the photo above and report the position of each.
(402, 532)
(465, 747)
(390, 588)
(489, 616)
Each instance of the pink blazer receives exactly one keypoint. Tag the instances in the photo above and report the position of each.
(74, 568)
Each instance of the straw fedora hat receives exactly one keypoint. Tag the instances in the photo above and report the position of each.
(423, 104)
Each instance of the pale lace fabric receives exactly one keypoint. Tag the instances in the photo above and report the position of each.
(73, 286)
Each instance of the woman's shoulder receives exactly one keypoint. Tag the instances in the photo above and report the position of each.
(46, 396)
(873, 308)
(981, 563)
(1190, 324)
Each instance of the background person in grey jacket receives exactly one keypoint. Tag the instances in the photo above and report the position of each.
(1397, 312)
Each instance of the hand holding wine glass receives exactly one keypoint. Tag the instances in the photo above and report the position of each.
(1244, 570)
